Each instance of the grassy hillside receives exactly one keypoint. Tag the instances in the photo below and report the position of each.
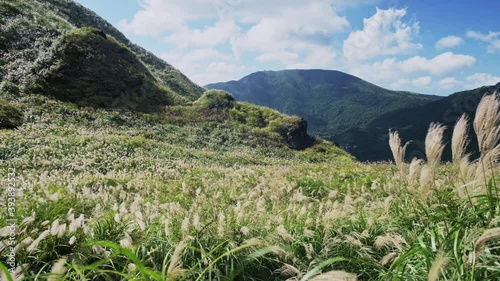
(196, 193)
(168, 75)
(211, 188)
(89, 68)
(332, 102)
(41, 38)
(369, 143)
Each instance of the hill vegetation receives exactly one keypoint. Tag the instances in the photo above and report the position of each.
(187, 194)
(10, 116)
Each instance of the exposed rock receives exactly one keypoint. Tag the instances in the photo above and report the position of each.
(297, 137)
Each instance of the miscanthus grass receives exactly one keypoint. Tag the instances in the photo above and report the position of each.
(104, 196)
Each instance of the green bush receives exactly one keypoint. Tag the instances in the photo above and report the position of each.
(285, 124)
(215, 99)
(10, 116)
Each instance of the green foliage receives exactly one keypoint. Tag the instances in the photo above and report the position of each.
(10, 115)
(271, 124)
(8, 10)
(252, 115)
(323, 150)
(215, 99)
(331, 101)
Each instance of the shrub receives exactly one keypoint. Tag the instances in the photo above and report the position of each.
(285, 124)
(10, 116)
(216, 99)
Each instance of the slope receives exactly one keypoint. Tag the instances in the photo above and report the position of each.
(39, 41)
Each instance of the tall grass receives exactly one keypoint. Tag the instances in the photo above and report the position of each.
(460, 139)
(452, 241)
(150, 201)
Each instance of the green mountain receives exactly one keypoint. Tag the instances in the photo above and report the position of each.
(61, 49)
(370, 143)
(332, 102)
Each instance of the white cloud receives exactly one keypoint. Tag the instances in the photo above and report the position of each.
(449, 83)
(210, 36)
(193, 62)
(492, 38)
(158, 16)
(206, 65)
(483, 37)
(283, 57)
(321, 57)
(439, 65)
(295, 33)
(383, 34)
(422, 81)
(221, 71)
(414, 73)
(449, 42)
(299, 34)
(293, 28)
(418, 82)
(481, 79)
(155, 17)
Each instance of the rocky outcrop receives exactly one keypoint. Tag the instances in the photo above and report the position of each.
(297, 137)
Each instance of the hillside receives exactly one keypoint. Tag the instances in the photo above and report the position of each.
(44, 41)
(331, 101)
(369, 143)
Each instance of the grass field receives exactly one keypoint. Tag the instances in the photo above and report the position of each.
(102, 195)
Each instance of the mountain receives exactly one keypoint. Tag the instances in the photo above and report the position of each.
(370, 143)
(332, 102)
(61, 49)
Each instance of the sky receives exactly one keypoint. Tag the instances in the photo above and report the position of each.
(425, 46)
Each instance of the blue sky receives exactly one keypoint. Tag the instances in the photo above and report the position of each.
(427, 46)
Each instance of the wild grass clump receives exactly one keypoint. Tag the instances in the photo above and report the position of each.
(398, 150)
(487, 123)
(460, 139)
